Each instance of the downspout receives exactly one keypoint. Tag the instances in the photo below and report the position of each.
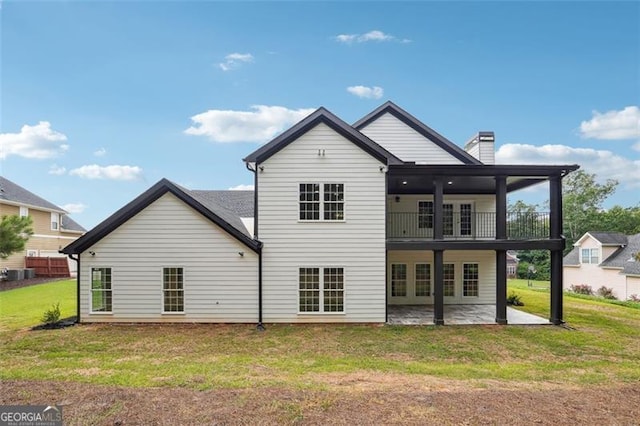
(260, 326)
(77, 260)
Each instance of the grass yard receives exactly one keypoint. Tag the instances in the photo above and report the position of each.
(312, 370)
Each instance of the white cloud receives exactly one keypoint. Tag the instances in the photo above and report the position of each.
(259, 125)
(74, 207)
(605, 164)
(636, 146)
(611, 125)
(242, 188)
(234, 60)
(57, 170)
(374, 35)
(38, 141)
(374, 92)
(113, 172)
(100, 152)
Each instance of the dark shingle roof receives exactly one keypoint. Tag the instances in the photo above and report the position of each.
(572, 258)
(624, 256)
(15, 193)
(69, 224)
(609, 238)
(239, 202)
(212, 202)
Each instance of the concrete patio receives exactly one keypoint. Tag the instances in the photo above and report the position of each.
(458, 315)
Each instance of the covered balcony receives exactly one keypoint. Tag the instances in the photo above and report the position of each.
(465, 224)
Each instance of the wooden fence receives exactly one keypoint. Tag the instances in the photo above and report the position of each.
(48, 266)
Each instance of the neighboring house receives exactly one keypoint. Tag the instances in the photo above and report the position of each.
(605, 259)
(346, 220)
(512, 264)
(53, 228)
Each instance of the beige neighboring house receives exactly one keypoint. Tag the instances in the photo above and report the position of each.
(605, 259)
(53, 229)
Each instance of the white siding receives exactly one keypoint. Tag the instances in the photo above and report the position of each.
(357, 244)
(406, 143)
(219, 284)
(486, 260)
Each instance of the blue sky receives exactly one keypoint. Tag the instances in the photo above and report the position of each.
(99, 100)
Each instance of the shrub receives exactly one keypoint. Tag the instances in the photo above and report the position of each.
(51, 316)
(606, 292)
(634, 298)
(514, 299)
(581, 289)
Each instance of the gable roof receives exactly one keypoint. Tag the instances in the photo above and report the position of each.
(68, 224)
(15, 194)
(418, 126)
(572, 258)
(322, 115)
(604, 238)
(209, 208)
(623, 257)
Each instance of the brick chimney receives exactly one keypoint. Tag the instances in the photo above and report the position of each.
(482, 147)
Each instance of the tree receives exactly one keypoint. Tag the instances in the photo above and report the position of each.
(620, 219)
(582, 199)
(14, 234)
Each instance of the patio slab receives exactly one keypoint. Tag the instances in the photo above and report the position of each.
(459, 315)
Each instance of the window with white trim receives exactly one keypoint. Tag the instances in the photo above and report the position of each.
(55, 221)
(321, 292)
(101, 293)
(449, 279)
(24, 211)
(173, 289)
(591, 256)
(423, 279)
(470, 279)
(398, 280)
(315, 198)
(425, 214)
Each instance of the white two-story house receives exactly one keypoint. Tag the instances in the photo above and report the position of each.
(345, 222)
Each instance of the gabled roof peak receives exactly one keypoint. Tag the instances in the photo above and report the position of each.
(322, 115)
(418, 126)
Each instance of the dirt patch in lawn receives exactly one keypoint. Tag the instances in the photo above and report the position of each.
(438, 403)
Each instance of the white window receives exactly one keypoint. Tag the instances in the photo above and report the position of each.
(24, 211)
(327, 198)
(321, 292)
(425, 214)
(55, 221)
(470, 279)
(173, 289)
(423, 279)
(398, 280)
(101, 295)
(449, 280)
(591, 256)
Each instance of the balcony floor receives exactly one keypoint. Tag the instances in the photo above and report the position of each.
(458, 315)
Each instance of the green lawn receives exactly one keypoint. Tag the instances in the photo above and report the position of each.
(602, 348)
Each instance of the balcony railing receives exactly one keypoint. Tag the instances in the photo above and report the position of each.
(468, 225)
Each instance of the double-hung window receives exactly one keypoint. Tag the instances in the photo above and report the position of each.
(591, 256)
(423, 279)
(321, 202)
(321, 290)
(173, 290)
(55, 221)
(398, 280)
(470, 279)
(101, 295)
(425, 214)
